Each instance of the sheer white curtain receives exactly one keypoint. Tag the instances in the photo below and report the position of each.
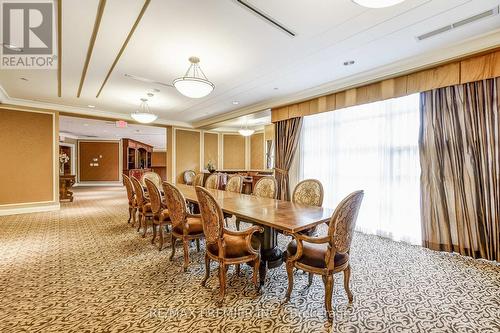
(373, 147)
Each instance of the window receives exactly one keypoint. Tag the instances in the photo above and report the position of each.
(373, 147)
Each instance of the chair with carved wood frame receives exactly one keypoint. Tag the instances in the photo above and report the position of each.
(266, 187)
(132, 203)
(308, 192)
(160, 213)
(153, 176)
(188, 177)
(235, 185)
(143, 205)
(212, 182)
(329, 254)
(198, 179)
(185, 226)
(225, 246)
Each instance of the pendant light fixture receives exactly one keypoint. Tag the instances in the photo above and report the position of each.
(194, 84)
(377, 3)
(246, 131)
(143, 114)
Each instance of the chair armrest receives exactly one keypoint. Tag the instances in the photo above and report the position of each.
(314, 240)
(194, 215)
(299, 238)
(247, 233)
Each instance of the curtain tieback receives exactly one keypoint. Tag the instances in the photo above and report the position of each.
(282, 171)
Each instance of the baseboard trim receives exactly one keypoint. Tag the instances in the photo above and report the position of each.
(15, 210)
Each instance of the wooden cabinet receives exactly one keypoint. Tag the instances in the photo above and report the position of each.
(137, 157)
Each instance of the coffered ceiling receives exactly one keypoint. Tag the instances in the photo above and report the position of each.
(249, 60)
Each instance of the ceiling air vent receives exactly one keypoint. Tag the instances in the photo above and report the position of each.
(266, 17)
(458, 24)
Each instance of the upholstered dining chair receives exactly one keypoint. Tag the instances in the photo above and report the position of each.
(188, 177)
(266, 187)
(198, 180)
(308, 192)
(160, 213)
(153, 176)
(234, 184)
(329, 254)
(185, 226)
(132, 203)
(212, 182)
(143, 205)
(225, 246)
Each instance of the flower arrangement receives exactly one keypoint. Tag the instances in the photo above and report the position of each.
(211, 166)
(63, 159)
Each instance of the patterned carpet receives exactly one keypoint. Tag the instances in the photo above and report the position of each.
(83, 269)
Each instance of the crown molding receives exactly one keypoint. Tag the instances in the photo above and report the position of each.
(466, 48)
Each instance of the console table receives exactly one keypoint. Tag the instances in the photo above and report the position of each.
(65, 184)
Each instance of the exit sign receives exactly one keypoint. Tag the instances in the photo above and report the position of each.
(121, 124)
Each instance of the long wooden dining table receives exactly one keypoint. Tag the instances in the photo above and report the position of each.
(273, 215)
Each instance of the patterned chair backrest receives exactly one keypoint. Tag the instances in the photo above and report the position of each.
(130, 188)
(139, 191)
(212, 182)
(235, 184)
(308, 192)
(211, 216)
(189, 176)
(198, 180)
(266, 187)
(176, 205)
(342, 223)
(152, 176)
(154, 196)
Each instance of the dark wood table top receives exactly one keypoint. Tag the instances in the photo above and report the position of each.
(277, 214)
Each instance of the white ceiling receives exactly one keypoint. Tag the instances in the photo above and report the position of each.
(243, 55)
(82, 128)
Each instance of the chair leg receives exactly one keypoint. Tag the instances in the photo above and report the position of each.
(154, 232)
(347, 279)
(207, 270)
(328, 280)
(256, 266)
(237, 224)
(311, 275)
(161, 237)
(185, 243)
(134, 213)
(237, 269)
(198, 245)
(289, 271)
(129, 214)
(145, 225)
(173, 240)
(222, 282)
(139, 221)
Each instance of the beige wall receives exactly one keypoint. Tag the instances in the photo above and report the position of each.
(187, 152)
(28, 149)
(211, 148)
(233, 151)
(107, 154)
(257, 151)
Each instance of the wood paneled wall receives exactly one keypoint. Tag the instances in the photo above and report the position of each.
(257, 151)
(210, 148)
(27, 142)
(107, 154)
(233, 151)
(470, 69)
(187, 152)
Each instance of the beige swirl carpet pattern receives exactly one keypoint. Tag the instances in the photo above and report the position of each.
(83, 269)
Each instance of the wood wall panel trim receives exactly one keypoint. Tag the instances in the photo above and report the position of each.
(257, 151)
(210, 148)
(480, 68)
(233, 151)
(269, 132)
(187, 152)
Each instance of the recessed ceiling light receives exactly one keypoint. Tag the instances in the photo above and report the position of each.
(138, 131)
(12, 47)
(377, 3)
(91, 106)
(23, 78)
(349, 62)
(275, 88)
(236, 102)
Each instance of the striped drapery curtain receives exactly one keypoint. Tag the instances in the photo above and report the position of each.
(286, 136)
(460, 162)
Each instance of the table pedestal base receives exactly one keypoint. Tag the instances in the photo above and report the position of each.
(271, 256)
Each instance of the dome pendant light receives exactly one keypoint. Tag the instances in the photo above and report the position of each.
(246, 131)
(143, 114)
(377, 3)
(194, 84)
